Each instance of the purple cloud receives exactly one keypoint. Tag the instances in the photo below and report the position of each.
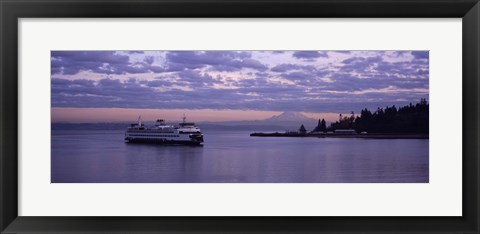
(236, 65)
(420, 54)
(192, 79)
(218, 60)
(195, 77)
(104, 62)
(285, 67)
(309, 54)
(281, 68)
(205, 57)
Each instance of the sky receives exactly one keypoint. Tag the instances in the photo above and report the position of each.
(104, 86)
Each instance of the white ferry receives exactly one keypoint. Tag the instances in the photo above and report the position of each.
(185, 133)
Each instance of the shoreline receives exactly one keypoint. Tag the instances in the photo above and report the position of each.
(364, 136)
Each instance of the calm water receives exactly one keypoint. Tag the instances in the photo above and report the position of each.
(102, 156)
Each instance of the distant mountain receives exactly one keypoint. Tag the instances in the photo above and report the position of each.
(285, 121)
(289, 117)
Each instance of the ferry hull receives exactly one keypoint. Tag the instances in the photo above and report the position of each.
(163, 142)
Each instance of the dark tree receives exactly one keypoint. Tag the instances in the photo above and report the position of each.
(407, 119)
(319, 126)
(343, 123)
(302, 130)
(323, 126)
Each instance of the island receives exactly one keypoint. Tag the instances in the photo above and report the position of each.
(407, 122)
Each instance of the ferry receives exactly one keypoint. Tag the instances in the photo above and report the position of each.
(186, 133)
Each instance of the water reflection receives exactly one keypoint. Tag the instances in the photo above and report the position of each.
(102, 156)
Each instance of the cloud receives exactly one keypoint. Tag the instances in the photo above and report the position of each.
(420, 54)
(342, 51)
(236, 65)
(157, 83)
(377, 67)
(297, 76)
(228, 80)
(149, 60)
(103, 62)
(217, 60)
(309, 54)
(285, 67)
(191, 76)
(204, 57)
(288, 67)
(135, 52)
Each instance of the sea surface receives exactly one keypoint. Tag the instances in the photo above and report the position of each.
(94, 156)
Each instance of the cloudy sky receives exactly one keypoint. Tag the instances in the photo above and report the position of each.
(89, 86)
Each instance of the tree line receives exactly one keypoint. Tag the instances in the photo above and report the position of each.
(406, 119)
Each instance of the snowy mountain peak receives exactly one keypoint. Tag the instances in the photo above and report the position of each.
(289, 116)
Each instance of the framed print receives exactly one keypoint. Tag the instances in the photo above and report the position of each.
(257, 104)
(209, 116)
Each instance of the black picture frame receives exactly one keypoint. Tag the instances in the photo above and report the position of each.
(12, 10)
